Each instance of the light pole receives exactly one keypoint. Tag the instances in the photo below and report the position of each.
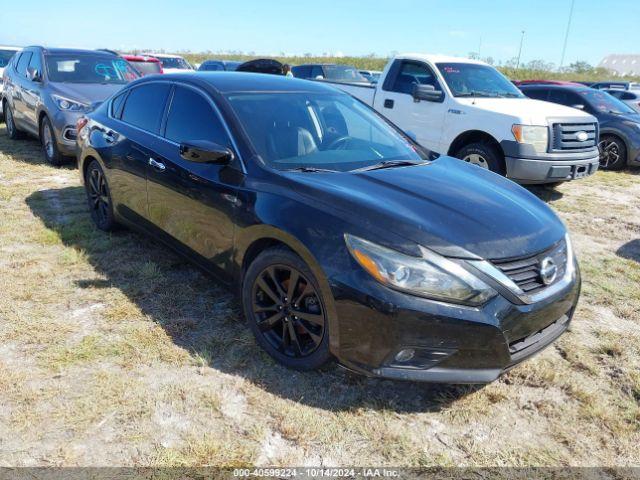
(566, 35)
(520, 51)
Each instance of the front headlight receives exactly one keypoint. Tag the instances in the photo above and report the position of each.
(69, 105)
(431, 275)
(535, 135)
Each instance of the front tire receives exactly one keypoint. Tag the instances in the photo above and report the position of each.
(613, 152)
(483, 155)
(49, 144)
(12, 131)
(285, 310)
(99, 197)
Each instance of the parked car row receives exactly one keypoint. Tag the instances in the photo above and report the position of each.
(335, 207)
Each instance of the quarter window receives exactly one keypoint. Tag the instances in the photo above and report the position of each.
(191, 117)
(116, 105)
(36, 63)
(145, 105)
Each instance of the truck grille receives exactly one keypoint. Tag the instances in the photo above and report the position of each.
(526, 271)
(565, 136)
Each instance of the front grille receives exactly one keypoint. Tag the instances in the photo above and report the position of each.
(565, 136)
(525, 271)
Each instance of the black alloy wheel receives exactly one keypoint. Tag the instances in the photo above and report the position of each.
(285, 310)
(613, 153)
(98, 197)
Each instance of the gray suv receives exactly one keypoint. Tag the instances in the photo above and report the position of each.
(46, 90)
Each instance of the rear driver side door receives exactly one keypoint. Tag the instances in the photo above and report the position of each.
(194, 202)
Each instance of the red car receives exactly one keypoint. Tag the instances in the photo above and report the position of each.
(143, 64)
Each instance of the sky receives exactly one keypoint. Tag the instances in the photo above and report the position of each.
(338, 27)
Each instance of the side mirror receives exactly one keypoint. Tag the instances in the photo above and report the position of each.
(579, 106)
(34, 75)
(203, 151)
(427, 93)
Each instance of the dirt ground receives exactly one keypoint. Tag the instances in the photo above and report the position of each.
(114, 351)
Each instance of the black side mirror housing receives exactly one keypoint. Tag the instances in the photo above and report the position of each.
(427, 93)
(203, 151)
(34, 75)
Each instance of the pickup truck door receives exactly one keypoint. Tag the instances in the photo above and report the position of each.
(425, 120)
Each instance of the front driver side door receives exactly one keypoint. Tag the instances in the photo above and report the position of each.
(194, 202)
(423, 119)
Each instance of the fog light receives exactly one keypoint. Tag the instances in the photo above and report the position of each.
(405, 355)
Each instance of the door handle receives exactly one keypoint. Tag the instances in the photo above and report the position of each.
(157, 165)
(388, 103)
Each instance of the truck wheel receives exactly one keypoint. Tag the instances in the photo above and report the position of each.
(483, 155)
(613, 153)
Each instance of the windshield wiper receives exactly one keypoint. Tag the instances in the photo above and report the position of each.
(475, 93)
(388, 164)
(309, 170)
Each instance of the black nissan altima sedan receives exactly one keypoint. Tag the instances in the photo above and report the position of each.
(345, 239)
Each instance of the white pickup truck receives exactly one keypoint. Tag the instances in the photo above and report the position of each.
(469, 110)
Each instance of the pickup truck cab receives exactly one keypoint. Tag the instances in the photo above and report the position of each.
(467, 109)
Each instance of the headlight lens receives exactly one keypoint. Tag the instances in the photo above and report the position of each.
(535, 135)
(431, 275)
(69, 105)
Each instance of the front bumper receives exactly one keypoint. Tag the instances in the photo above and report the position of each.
(453, 344)
(530, 171)
(64, 126)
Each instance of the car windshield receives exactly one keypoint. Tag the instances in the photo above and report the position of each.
(299, 130)
(5, 56)
(343, 73)
(84, 68)
(474, 80)
(604, 102)
(145, 68)
(174, 62)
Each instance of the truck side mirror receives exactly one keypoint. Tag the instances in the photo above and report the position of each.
(427, 93)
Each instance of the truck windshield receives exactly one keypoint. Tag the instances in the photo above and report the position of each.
(84, 68)
(473, 80)
(306, 131)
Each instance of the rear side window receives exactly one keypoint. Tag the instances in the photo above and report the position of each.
(145, 105)
(564, 98)
(317, 71)
(191, 117)
(21, 68)
(301, 72)
(413, 73)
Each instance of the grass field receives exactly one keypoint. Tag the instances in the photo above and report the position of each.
(114, 351)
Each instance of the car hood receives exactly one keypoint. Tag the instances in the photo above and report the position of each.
(525, 110)
(89, 93)
(454, 208)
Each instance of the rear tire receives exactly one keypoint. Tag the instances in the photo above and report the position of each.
(49, 144)
(613, 152)
(483, 155)
(288, 320)
(99, 197)
(12, 131)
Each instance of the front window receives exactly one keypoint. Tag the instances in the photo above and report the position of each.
(342, 73)
(474, 80)
(5, 56)
(319, 131)
(86, 68)
(174, 62)
(603, 102)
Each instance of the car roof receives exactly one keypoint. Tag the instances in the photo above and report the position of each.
(9, 47)
(73, 51)
(166, 55)
(574, 88)
(244, 82)
(427, 57)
